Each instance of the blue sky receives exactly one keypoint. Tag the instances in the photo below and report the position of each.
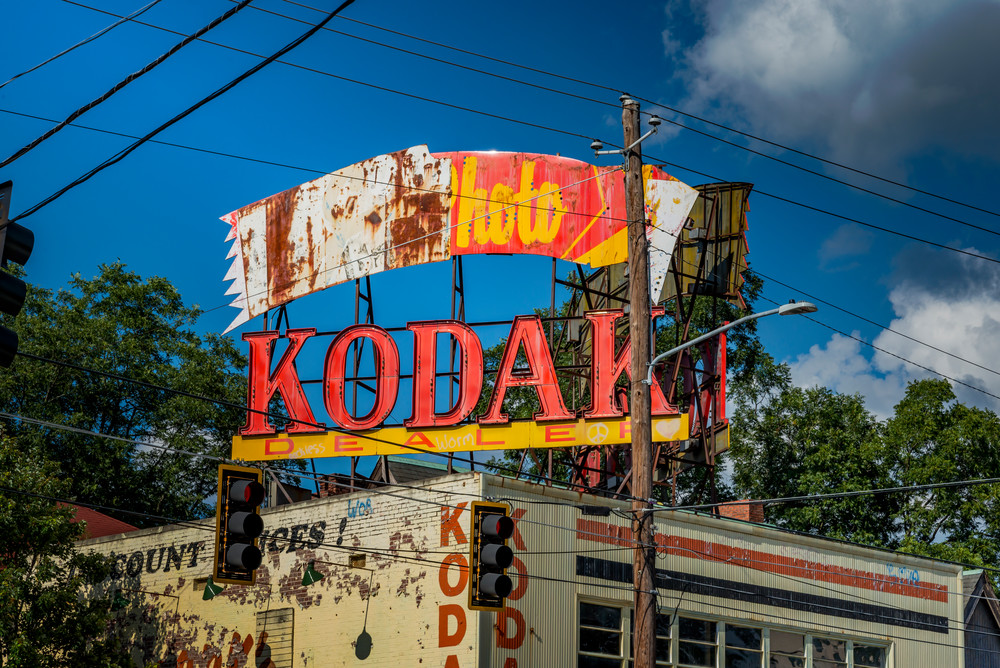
(902, 89)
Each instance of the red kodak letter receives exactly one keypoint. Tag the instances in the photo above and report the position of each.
(470, 374)
(606, 367)
(261, 385)
(386, 376)
(540, 374)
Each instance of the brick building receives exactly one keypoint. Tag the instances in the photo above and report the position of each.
(731, 593)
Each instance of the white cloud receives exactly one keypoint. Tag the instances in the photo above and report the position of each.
(871, 82)
(954, 308)
(842, 366)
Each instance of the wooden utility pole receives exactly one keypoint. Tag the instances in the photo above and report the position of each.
(644, 557)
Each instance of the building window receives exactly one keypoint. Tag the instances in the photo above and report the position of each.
(696, 642)
(606, 637)
(788, 650)
(744, 646)
(868, 657)
(829, 653)
(601, 636)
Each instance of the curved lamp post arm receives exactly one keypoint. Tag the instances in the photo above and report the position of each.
(784, 309)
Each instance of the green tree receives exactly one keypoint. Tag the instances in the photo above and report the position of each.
(788, 441)
(936, 439)
(46, 620)
(119, 323)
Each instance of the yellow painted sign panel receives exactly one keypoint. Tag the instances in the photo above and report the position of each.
(462, 438)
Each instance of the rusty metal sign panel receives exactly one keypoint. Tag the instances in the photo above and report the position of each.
(414, 207)
(710, 257)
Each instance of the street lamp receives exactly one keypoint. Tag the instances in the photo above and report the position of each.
(793, 308)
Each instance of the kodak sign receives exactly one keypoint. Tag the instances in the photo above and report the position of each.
(430, 429)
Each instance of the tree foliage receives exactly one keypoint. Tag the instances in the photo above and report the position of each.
(45, 621)
(119, 323)
(789, 441)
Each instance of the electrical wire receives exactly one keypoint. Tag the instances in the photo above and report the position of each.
(99, 33)
(393, 554)
(578, 135)
(833, 179)
(390, 552)
(872, 322)
(627, 543)
(883, 350)
(552, 129)
(310, 170)
(149, 67)
(676, 123)
(892, 354)
(443, 61)
(827, 212)
(656, 103)
(576, 530)
(205, 100)
(844, 495)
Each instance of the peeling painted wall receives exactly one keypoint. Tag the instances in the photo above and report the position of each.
(410, 608)
(163, 573)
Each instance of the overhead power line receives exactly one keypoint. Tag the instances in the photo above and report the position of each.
(872, 322)
(318, 426)
(892, 354)
(99, 33)
(125, 82)
(611, 104)
(538, 126)
(827, 212)
(205, 100)
(812, 498)
(656, 103)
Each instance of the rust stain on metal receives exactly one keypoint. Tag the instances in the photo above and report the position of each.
(281, 264)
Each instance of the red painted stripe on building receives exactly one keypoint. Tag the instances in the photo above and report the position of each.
(610, 534)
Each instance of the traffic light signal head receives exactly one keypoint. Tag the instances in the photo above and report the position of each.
(238, 524)
(489, 556)
(16, 244)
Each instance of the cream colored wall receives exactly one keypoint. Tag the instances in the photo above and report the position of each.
(731, 556)
(417, 605)
(409, 619)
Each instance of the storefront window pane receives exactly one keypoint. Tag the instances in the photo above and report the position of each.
(600, 642)
(869, 657)
(598, 662)
(742, 658)
(693, 654)
(829, 649)
(743, 636)
(602, 616)
(792, 644)
(696, 629)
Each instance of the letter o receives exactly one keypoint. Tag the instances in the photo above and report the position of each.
(386, 376)
(522, 582)
(136, 560)
(447, 588)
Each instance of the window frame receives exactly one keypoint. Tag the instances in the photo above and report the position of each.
(626, 628)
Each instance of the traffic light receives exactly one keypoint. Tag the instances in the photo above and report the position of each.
(16, 243)
(238, 524)
(489, 556)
